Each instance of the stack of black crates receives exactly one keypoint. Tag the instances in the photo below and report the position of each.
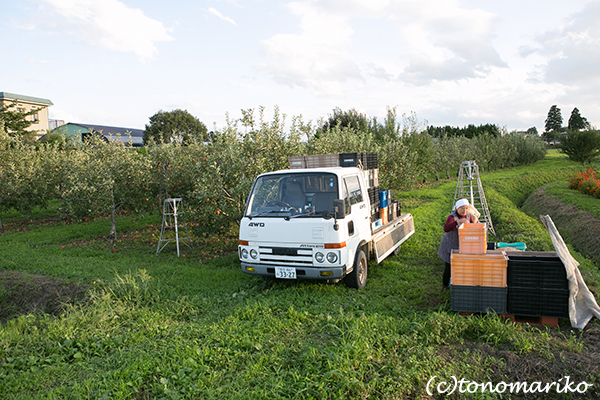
(366, 161)
(537, 285)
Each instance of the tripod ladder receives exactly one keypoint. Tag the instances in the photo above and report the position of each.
(468, 186)
(173, 218)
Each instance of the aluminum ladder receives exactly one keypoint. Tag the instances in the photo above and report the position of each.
(468, 186)
(173, 218)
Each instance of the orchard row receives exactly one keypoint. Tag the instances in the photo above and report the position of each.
(214, 178)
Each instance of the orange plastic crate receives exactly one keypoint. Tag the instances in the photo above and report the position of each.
(472, 238)
(479, 269)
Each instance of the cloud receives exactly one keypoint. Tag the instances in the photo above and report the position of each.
(378, 72)
(224, 18)
(476, 114)
(434, 40)
(572, 51)
(319, 58)
(446, 42)
(111, 25)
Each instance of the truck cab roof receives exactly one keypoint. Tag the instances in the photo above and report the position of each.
(339, 171)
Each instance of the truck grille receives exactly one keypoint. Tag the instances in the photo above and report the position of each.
(286, 256)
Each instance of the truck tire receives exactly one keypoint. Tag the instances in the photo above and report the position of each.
(358, 277)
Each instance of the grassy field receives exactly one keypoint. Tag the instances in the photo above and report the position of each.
(134, 325)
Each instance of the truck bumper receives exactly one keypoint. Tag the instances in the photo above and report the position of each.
(301, 272)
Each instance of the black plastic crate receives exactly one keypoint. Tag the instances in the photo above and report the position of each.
(373, 194)
(372, 161)
(363, 160)
(527, 255)
(538, 302)
(478, 299)
(536, 272)
(351, 159)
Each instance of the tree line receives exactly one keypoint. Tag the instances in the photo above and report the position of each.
(214, 174)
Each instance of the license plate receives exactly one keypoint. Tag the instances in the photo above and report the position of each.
(285, 273)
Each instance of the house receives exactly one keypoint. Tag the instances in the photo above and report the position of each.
(40, 123)
(79, 132)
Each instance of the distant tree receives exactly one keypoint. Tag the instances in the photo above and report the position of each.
(532, 131)
(174, 126)
(15, 120)
(347, 119)
(582, 146)
(388, 130)
(553, 124)
(576, 121)
(554, 120)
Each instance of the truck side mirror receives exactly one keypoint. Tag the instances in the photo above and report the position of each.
(339, 209)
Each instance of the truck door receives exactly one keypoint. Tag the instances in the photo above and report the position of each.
(359, 220)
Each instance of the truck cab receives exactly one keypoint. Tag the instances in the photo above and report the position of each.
(310, 223)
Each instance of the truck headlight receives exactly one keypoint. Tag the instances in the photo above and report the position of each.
(244, 253)
(332, 257)
(320, 257)
(254, 254)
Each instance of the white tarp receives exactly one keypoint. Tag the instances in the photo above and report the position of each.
(582, 303)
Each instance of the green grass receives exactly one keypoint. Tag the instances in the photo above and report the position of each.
(516, 184)
(198, 328)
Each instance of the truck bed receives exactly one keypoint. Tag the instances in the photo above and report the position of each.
(387, 238)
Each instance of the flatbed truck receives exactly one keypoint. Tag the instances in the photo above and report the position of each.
(317, 223)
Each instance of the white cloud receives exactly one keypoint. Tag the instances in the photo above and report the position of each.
(476, 115)
(219, 15)
(440, 41)
(572, 50)
(445, 41)
(319, 58)
(111, 25)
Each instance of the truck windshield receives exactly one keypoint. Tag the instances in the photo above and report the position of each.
(293, 194)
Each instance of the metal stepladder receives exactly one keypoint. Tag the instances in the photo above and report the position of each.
(173, 218)
(468, 186)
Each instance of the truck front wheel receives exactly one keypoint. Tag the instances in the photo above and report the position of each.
(358, 277)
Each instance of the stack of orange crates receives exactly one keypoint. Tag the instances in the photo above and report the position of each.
(479, 276)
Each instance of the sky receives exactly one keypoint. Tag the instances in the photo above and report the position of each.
(448, 62)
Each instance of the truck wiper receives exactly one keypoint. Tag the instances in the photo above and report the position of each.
(287, 218)
(264, 213)
(324, 214)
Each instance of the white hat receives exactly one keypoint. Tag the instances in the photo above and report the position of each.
(460, 203)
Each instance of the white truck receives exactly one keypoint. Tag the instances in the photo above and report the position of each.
(317, 223)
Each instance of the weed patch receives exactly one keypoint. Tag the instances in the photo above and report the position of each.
(23, 293)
